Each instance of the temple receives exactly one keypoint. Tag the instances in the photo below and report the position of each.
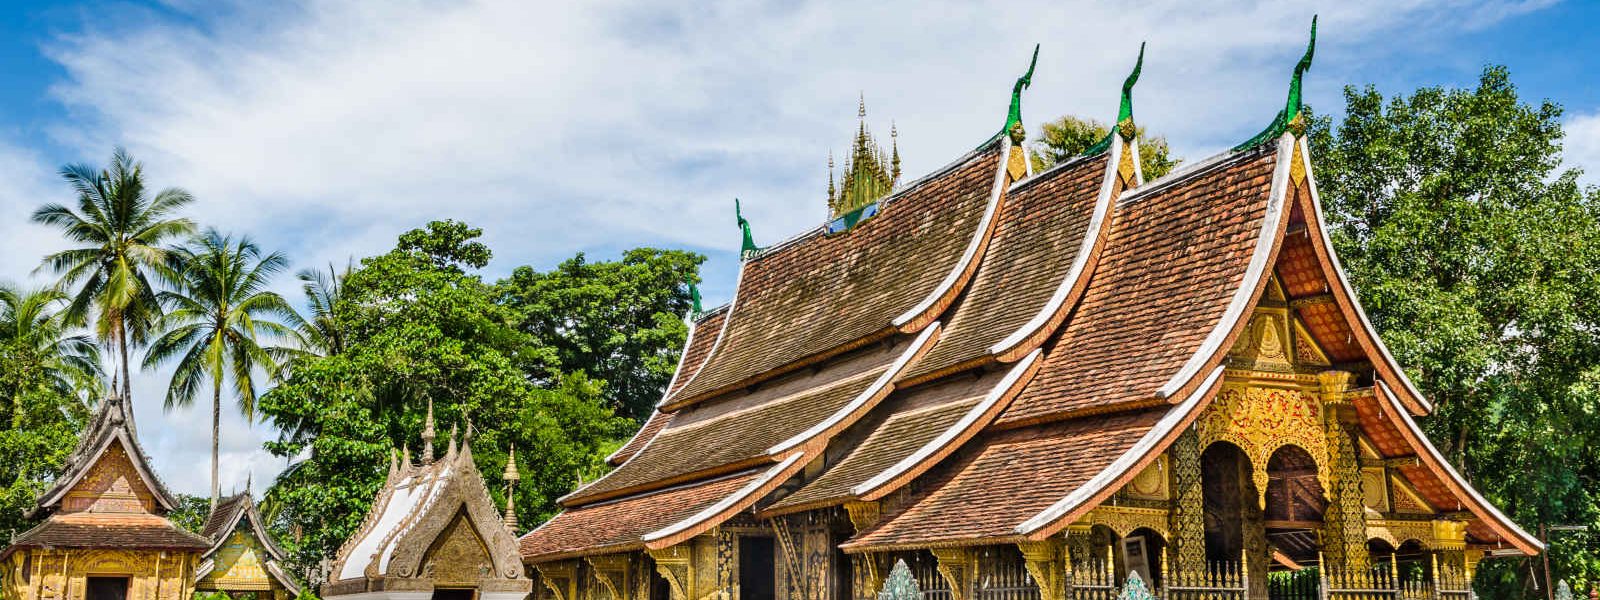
(106, 536)
(433, 532)
(243, 560)
(1039, 386)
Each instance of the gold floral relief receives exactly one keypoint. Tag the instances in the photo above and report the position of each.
(111, 485)
(1151, 483)
(1260, 421)
(459, 557)
(1374, 490)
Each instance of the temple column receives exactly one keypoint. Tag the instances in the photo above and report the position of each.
(1344, 531)
(1257, 555)
(1187, 520)
(1045, 565)
(867, 568)
(958, 567)
(676, 564)
(611, 576)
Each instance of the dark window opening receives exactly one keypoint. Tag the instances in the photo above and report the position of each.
(107, 588)
(757, 576)
(454, 594)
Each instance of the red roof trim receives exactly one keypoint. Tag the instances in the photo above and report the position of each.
(1435, 462)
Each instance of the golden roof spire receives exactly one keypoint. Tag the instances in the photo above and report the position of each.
(427, 436)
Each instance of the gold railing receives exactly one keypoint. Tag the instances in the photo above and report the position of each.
(1221, 580)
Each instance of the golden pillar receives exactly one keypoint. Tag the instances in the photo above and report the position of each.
(1344, 532)
(1187, 521)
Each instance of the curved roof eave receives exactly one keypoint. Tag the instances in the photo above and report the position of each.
(1054, 312)
(1435, 461)
(1345, 296)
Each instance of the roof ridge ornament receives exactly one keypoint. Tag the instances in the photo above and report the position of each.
(1124, 125)
(428, 435)
(1292, 118)
(748, 249)
(1013, 126)
(694, 300)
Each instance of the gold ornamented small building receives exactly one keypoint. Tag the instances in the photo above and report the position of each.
(243, 558)
(433, 532)
(107, 536)
(1037, 386)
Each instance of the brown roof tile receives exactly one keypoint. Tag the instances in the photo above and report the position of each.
(1038, 235)
(1173, 261)
(896, 439)
(106, 530)
(706, 331)
(701, 338)
(619, 525)
(822, 293)
(1004, 480)
(733, 431)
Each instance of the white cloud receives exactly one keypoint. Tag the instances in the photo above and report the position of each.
(329, 127)
(1582, 146)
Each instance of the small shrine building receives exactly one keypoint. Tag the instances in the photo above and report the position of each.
(1034, 386)
(243, 559)
(433, 532)
(106, 536)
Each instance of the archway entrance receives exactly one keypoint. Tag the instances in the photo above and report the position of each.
(1294, 508)
(1225, 486)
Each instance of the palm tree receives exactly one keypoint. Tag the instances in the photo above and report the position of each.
(322, 332)
(32, 330)
(119, 230)
(217, 313)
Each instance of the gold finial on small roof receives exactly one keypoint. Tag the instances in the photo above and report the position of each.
(427, 436)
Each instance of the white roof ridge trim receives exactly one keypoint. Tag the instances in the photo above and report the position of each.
(1254, 272)
(1405, 418)
(716, 344)
(1102, 209)
(1344, 282)
(884, 380)
(971, 253)
(1184, 172)
(950, 433)
(725, 503)
(1122, 464)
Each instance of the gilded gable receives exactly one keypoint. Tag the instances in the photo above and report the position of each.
(112, 485)
(459, 557)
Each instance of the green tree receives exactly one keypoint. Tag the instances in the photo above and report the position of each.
(321, 332)
(420, 325)
(1478, 261)
(217, 316)
(48, 375)
(119, 230)
(618, 321)
(1069, 136)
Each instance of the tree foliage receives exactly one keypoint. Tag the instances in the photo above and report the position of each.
(419, 325)
(619, 322)
(120, 232)
(1479, 261)
(1068, 136)
(48, 375)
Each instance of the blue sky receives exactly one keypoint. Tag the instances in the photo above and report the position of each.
(324, 129)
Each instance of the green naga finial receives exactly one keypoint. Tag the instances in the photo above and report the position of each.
(1124, 124)
(694, 299)
(1291, 117)
(1013, 126)
(749, 248)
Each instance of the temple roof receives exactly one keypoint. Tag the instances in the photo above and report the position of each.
(1176, 258)
(112, 423)
(90, 530)
(820, 294)
(418, 506)
(1070, 324)
(231, 514)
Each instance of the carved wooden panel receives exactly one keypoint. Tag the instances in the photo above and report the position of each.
(1260, 421)
(111, 485)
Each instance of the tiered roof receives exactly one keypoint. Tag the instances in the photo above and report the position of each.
(107, 495)
(994, 334)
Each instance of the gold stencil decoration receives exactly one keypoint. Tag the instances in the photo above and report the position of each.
(1264, 343)
(1374, 490)
(459, 557)
(1260, 421)
(1407, 500)
(1151, 483)
(1125, 519)
(1306, 351)
(239, 566)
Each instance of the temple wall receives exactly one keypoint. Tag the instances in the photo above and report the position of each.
(63, 574)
